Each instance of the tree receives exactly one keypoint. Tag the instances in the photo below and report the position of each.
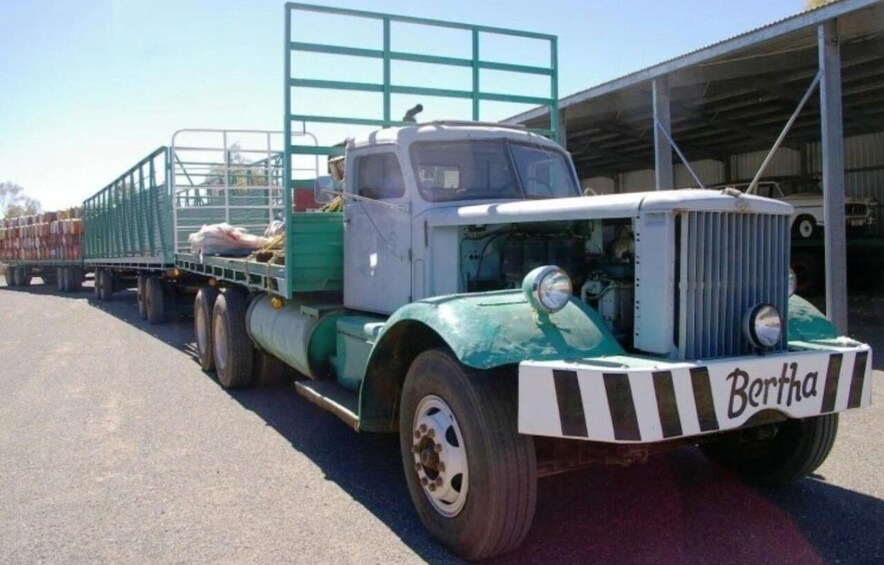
(812, 4)
(14, 202)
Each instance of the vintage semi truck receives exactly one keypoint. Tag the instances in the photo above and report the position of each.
(469, 298)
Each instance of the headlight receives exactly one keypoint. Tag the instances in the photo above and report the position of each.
(547, 289)
(763, 326)
(793, 282)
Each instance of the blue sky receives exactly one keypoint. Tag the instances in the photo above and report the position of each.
(87, 88)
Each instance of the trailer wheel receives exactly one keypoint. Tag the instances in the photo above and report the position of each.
(154, 304)
(141, 284)
(73, 280)
(60, 281)
(48, 276)
(203, 305)
(790, 451)
(23, 277)
(471, 476)
(232, 346)
(96, 284)
(804, 226)
(106, 285)
(10, 277)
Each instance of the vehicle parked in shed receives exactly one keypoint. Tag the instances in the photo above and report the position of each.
(807, 200)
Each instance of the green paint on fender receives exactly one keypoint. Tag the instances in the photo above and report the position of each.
(500, 328)
(806, 323)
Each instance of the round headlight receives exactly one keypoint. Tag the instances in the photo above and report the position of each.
(547, 288)
(763, 326)
(793, 282)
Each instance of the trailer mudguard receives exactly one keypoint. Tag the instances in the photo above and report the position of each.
(484, 331)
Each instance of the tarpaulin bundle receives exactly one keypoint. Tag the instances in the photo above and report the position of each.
(224, 239)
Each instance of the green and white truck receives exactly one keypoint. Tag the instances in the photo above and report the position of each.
(470, 299)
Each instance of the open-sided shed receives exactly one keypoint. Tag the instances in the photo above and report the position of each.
(818, 74)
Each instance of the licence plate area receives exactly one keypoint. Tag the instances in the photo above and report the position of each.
(633, 402)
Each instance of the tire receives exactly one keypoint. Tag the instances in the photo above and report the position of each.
(106, 288)
(797, 449)
(203, 306)
(73, 281)
(809, 271)
(232, 347)
(804, 226)
(49, 276)
(61, 280)
(96, 284)
(23, 277)
(141, 283)
(492, 510)
(154, 304)
(10, 276)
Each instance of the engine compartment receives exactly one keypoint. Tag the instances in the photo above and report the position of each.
(598, 255)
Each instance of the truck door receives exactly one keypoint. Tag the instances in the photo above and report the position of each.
(377, 234)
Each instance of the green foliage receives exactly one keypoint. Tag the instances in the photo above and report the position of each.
(14, 202)
(811, 4)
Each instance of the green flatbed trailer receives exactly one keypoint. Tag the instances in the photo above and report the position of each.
(65, 275)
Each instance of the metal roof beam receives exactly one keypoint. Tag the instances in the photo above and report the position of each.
(853, 115)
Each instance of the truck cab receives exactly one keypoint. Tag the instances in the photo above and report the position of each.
(405, 181)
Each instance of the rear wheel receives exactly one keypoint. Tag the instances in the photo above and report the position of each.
(141, 283)
(48, 276)
(471, 476)
(96, 284)
(232, 346)
(777, 455)
(154, 304)
(23, 277)
(10, 276)
(106, 288)
(202, 325)
(73, 279)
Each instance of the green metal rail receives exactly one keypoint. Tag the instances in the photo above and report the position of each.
(129, 221)
(384, 86)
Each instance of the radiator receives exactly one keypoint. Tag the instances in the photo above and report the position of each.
(726, 263)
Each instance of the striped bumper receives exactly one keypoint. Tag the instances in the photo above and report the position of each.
(622, 400)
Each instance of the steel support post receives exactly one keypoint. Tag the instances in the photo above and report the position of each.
(563, 128)
(662, 147)
(832, 134)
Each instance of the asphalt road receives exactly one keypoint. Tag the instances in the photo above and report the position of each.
(115, 447)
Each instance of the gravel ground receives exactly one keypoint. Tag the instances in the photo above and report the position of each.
(115, 447)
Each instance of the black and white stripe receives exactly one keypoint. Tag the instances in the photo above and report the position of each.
(670, 400)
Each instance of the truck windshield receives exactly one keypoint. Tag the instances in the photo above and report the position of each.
(473, 170)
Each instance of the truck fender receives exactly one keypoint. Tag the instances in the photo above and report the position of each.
(484, 331)
(806, 323)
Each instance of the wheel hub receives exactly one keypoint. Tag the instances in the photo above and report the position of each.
(440, 458)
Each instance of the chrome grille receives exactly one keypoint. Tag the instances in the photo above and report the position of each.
(727, 263)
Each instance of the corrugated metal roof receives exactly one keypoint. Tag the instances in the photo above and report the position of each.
(772, 31)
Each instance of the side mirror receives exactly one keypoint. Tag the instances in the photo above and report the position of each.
(323, 190)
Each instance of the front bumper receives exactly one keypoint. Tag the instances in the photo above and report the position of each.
(638, 400)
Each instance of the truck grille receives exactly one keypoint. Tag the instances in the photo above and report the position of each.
(855, 209)
(727, 263)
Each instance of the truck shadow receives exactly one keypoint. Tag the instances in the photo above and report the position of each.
(679, 507)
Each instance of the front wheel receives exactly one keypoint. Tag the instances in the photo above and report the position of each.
(777, 455)
(471, 476)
